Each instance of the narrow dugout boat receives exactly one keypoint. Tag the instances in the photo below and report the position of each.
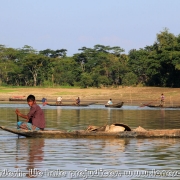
(20, 98)
(118, 105)
(12, 99)
(136, 133)
(17, 98)
(82, 104)
(67, 105)
(91, 132)
(159, 106)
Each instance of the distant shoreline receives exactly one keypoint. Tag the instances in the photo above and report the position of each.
(129, 95)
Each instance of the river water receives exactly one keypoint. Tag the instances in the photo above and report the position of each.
(131, 158)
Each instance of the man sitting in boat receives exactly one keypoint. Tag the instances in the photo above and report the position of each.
(44, 101)
(77, 101)
(59, 100)
(110, 102)
(35, 119)
(162, 100)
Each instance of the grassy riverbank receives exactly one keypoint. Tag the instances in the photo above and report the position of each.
(130, 95)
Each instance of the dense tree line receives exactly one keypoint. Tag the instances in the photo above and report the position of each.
(100, 66)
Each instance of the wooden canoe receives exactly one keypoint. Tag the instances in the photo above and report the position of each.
(67, 105)
(159, 106)
(17, 99)
(163, 133)
(118, 105)
(63, 133)
(21, 99)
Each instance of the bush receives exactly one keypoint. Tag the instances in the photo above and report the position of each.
(130, 79)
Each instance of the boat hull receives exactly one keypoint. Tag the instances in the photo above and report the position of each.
(118, 105)
(67, 105)
(158, 106)
(166, 133)
(17, 99)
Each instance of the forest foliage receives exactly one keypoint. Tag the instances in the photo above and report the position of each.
(100, 66)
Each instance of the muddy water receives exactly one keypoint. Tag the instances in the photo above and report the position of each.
(88, 158)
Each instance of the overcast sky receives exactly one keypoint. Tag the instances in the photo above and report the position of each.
(72, 24)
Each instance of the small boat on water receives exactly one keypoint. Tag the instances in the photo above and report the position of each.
(67, 105)
(17, 98)
(20, 98)
(91, 132)
(12, 99)
(117, 105)
(160, 106)
(94, 133)
(82, 104)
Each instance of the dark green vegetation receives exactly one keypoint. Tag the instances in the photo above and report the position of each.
(101, 66)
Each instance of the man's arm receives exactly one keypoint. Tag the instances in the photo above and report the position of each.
(21, 115)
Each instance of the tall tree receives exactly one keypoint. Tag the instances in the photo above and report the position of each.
(34, 63)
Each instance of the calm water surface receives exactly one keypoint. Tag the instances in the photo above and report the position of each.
(83, 158)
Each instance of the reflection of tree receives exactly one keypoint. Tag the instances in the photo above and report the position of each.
(162, 147)
(35, 153)
(78, 116)
(162, 117)
(59, 111)
(109, 115)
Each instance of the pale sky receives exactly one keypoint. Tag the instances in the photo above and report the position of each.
(73, 24)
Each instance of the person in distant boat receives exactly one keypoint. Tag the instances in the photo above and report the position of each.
(162, 100)
(35, 119)
(77, 102)
(59, 100)
(110, 102)
(44, 101)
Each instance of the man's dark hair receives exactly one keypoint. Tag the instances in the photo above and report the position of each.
(31, 98)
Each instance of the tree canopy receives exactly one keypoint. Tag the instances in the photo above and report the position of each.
(101, 66)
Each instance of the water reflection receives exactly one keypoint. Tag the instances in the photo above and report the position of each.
(73, 118)
(109, 115)
(59, 112)
(162, 118)
(78, 117)
(116, 145)
(80, 154)
(31, 151)
(153, 153)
